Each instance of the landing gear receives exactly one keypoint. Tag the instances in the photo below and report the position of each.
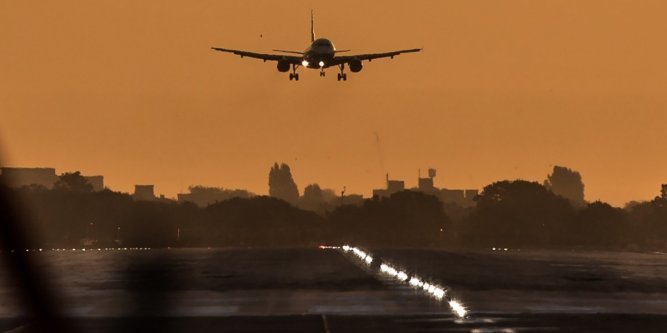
(342, 75)
(294, 75)
(323, 73)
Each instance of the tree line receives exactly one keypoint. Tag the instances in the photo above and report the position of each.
(512, 214)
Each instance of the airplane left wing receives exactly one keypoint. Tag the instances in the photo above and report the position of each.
(262, 56)
(345, 59)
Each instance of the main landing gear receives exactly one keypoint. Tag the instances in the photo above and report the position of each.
(294, 75)
(342, 75)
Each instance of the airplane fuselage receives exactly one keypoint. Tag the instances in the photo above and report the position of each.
(319, 54)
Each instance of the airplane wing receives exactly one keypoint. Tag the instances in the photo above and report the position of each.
(262, 56)
(344, 59)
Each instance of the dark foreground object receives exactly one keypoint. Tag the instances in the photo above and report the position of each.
(331, 324)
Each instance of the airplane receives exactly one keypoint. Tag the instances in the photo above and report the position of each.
(321, 54)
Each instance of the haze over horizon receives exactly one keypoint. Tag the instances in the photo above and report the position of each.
(502, 90)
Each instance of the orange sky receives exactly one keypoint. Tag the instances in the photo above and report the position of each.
(503, 90)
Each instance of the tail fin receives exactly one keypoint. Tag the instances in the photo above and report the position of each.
(312, 26)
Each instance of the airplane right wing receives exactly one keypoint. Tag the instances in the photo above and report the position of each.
(345, 59)
(263, 56)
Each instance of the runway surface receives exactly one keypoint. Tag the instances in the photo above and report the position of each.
(315, 290)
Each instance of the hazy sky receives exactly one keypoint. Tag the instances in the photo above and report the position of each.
(503, 90)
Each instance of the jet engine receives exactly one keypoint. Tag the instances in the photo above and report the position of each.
(355, 65)
(283, 65)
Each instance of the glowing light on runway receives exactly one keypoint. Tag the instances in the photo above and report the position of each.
(432, 289)
(365, 257)
(458, 308)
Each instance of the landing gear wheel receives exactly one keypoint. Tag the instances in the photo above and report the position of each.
(323, 74)
(294, 75)
(342, 75)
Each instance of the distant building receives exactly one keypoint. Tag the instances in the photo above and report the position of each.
(97, 182)
(452, 196)
(393, 186)
(663, 191)
(144, 192)
(19, 177)
(464, 198)
(352, 199)
(426, 185)
(459, 197)
(471, 194)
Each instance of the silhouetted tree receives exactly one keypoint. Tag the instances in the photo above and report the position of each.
(649, 222)
(517, 214)
(261, 221)
(566, 183)
(407, 218)
(312, 199)
(73, 181)
(282, 185)
(204, 196)
(598, 225)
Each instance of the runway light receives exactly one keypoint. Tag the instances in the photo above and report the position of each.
(304, 63)
(321, 63)
(433, 290)
(457, 308)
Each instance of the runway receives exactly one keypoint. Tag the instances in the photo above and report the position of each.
(314, 290)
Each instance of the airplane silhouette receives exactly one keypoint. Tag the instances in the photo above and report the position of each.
(321, 54)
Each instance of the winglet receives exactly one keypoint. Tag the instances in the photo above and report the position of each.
(312, 26)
